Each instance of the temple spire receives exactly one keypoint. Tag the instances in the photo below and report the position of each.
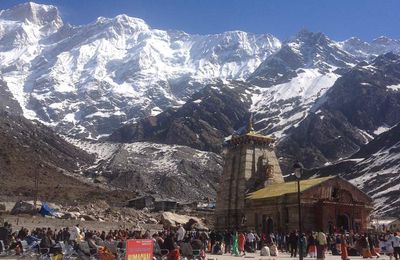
(250, 128)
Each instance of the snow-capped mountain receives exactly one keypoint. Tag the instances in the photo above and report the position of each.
(368, 50)
(361, 104)
(86, 80)
(288, 83)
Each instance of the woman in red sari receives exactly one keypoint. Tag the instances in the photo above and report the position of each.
(242, 241)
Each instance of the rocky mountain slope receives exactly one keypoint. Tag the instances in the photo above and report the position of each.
(359, 106)
(30, 151)
(375, 169)
(7, 101)
(164, 171)
(202, 122)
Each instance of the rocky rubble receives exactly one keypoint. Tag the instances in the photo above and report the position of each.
(101, 211)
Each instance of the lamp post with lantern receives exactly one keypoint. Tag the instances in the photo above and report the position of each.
(298, 171)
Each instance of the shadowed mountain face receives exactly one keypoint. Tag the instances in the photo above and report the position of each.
(7, 101)
(202, 123)
(30, 151)
(374, 169)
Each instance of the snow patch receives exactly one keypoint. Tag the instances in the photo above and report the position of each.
(295, 99)
(394, 87)
(381, 129)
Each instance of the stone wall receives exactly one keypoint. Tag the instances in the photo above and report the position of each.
(248, 167)
(319, 209)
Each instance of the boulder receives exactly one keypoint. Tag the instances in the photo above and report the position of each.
(2, 207)
(88, 217)
(169, 219)
(54, 206)
(152, 221)
(24, 207)
(200, 227)
(74, 209)
(71, 215)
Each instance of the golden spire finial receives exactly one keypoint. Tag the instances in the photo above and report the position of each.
(250, 128)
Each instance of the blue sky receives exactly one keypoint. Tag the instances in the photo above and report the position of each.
(339, 19)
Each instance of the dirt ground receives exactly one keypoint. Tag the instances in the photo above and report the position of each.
(32, 222)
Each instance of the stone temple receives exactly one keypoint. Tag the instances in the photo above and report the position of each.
(253, 195)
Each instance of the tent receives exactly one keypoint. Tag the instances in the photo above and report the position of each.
(45, 210)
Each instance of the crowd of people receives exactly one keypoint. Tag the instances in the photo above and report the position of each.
(314, 244)
(179, 243)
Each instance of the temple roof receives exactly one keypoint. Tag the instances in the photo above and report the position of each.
(280, 189)
(250, 135)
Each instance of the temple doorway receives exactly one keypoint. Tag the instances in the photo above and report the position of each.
(343, 222)
(267, 225)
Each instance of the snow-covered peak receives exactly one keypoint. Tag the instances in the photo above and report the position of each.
(307, 37)
(354, 41)
(382, 40)
(123, 20)
(33, 13)
(307, 50)
(317, 50)
(378, 46)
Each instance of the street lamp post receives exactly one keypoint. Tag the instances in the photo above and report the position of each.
(298, 170)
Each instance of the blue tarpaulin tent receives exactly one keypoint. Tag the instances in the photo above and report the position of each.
(45, 210)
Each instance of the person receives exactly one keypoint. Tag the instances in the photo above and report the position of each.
(251, 241)
(336, 244)
(75, 235)
(312, 247)
(156, 246)
(181, 233)
(273, 249)
(303, 244)
(47, 244)
(5, 236)
(365, 251)
(343, 247)
(241, 243)
(91, 240)
(171, 246)
(216, 249)
(321, 245)
(395, 241)
(15, 245)
(203, 236)
(372, 242)
(293, 241)
(235, 249)
(227, 241)
(265, 251)
(388, 246)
